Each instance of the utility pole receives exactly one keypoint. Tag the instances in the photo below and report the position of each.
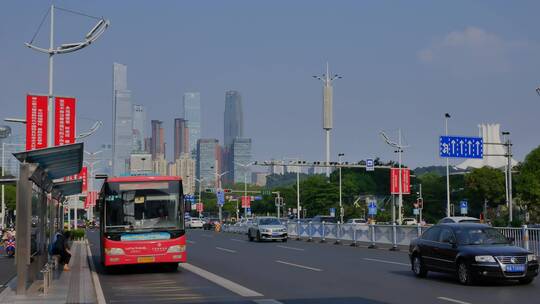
(446, 116)
(341, 211)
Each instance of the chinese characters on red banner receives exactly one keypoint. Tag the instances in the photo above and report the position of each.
(82, 175)
(405, 181)
(64, 121)
(36, 122)
(246, 201)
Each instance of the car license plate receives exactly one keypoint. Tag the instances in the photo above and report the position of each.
(275, 233)
(515, 268)
(146, 259)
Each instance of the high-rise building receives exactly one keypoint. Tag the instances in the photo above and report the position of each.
(181, 137)
(141, 164)
(241, 155)
(157, 146)
(259, 178)
(122, 121)
(207, 154)
(233, 118)
(185, 168)
(139, 124)
(192, 113)
(277, 167)
(159, 165)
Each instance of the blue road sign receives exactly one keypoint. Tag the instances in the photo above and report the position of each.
(332, 212)
(258, 198)
(220, 197)
(461, 147)
(463, 205)
(372, 208)
(370, 164)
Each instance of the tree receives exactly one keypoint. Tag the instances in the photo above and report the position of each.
(11, 196)
(484, 184)
(528, 182)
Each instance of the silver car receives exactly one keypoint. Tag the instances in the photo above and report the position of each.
(267, 228)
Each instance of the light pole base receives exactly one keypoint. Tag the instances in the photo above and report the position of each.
(372, 246)
(394, 248)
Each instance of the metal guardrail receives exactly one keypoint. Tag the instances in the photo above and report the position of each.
(394, 235)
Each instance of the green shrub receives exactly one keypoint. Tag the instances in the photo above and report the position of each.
(78, 234)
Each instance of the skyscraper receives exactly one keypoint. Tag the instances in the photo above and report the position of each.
(192, 113)
(233, 118)
(157, 146)
(122, 120)
(139, 123)
(241, 154)
(181, 137)
(207, 152)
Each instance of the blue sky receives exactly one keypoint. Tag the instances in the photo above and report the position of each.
(404, 64)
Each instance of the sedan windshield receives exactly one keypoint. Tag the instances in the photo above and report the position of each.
(480, 236)
(269, 221)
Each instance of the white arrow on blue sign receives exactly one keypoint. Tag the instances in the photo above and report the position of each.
(461, 147)
(370, 165)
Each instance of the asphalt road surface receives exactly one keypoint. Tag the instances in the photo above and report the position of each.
(226, 268)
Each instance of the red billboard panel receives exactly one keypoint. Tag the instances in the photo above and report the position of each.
(64, 121)
(200, 207)
(246, 201)
(82, 175)
(90, 200)
(405, 181)
(36, 122)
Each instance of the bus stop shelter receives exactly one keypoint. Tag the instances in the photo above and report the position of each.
(41, 192)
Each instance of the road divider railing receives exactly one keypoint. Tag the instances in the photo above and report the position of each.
(374, 235)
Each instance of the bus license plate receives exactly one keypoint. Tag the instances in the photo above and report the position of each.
(145, 259)
(515, 268)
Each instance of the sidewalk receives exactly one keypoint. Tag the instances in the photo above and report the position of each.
(73, 286)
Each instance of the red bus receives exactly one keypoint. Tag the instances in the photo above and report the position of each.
(142, 221)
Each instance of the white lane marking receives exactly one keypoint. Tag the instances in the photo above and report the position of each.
(452, 300)
(230, 285)
(387, 262)
(225, 249)
(299, 266)
(190, 242)
(267, 301)
(237, 240)
(97, 285)
(292, 248)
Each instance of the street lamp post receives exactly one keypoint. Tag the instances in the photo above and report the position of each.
(91, 174)
(446, 116)
(341, 211)
(399, 146)
(508, 145)
(200, 185)
(219, 176)
(245, 180)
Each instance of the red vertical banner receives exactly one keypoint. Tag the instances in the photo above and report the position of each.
(36, 122)
(81, 175)
(405, 181)
(64, 121)
(246, 201)
(90, 200)
(200, 207)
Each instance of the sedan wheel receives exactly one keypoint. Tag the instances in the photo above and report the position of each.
(418, 267)
(258, 236)
(464, 275)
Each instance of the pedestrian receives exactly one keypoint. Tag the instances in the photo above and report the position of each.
(61, 248)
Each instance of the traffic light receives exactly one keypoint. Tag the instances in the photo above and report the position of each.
(227, 190)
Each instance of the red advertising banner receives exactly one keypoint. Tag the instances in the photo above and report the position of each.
(405, 181)
(246, 201)
(90, 200)
(36, 122)
(200, 207)
(82, 175)
(64, 121)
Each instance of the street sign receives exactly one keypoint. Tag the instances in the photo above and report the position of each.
(405, 181)
(248, 211)
(372, 208)
(332, 212)
(370, 164)
(257, 198)
(416, 211)
(246, 201)
(461, 147)
(266, 192)
(463, 206)
(220, 195)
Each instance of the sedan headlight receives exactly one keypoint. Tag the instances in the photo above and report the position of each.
(531, 257)
(114, 251)
(266, 230)
(176, 248)
(484, 259)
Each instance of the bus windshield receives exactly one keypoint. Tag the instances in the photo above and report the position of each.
(132, 206)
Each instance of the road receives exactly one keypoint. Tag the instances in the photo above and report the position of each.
(297, 272)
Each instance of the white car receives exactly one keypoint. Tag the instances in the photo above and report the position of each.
(409, 221)
(459, 219)
(194, 223)
(357, 221)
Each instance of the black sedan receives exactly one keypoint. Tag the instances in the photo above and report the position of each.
(473, 252)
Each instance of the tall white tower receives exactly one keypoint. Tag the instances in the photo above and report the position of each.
(327, 111)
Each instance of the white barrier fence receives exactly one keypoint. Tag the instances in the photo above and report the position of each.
(528, 238)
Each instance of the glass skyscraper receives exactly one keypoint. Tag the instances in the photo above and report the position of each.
(233, 118)
(139, 124)
(241, 154)
(192, 113)
(122, 121)
(207, 152)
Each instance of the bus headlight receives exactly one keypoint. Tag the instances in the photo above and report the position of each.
(176, 248)
(114, 251)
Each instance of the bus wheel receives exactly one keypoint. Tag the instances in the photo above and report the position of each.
(171, 267)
